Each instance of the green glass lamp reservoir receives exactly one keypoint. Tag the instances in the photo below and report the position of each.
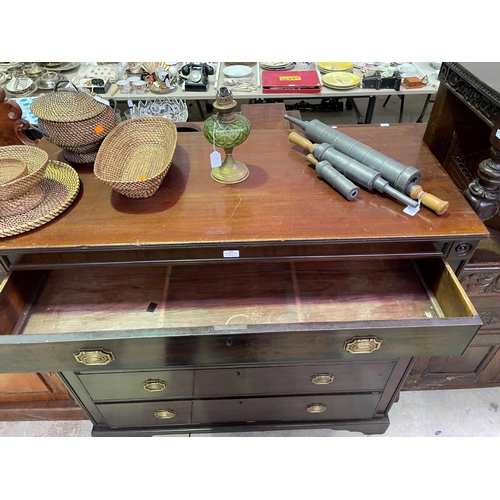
(226, 129)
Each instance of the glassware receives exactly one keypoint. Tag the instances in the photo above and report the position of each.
(226, 129)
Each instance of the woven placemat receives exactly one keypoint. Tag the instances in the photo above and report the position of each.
(61, 185)
(22, 204)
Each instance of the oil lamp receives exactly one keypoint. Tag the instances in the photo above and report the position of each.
(227, 129)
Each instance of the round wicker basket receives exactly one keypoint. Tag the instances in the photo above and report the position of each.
(135, 157)
(12, 169)
(66, 105)
(73, 120)
(36, 163)
(60, 186)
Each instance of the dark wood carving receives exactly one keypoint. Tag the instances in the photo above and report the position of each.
(484, 192)
(477, 95)
(12, 125)
(480, 283)
(490, 319)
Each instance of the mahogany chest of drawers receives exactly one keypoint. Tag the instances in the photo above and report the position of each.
(266, 305)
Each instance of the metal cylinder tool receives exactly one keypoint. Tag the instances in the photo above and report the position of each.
(326, 171)
(352, 169)
(402, 177)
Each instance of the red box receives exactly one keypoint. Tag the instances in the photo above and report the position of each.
(293, 82)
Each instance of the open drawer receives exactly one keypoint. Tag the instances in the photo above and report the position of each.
(117, 318)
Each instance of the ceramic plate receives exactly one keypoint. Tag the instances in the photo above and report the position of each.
(19, 85)
(65, 66)
(335, 66)
(340, 79)
(237, 71)
(277, 65)
(43, 85)
(340, 88)
(158, 90)
(4, 66)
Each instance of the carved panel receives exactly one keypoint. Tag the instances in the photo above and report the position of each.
(490, 319)
(478, 96)
(477, 283)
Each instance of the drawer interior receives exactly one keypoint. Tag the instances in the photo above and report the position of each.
(99, 299)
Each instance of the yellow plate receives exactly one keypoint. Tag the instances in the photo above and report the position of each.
(335, 66)
(340, 79)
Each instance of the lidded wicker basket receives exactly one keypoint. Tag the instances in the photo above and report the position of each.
(135, 157)
(35, 159)
(66, 106)
(73, 120)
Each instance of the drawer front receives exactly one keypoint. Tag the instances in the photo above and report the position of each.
(316, 379)
(307, 408)
(235, 349)
(149, 414)
(139, 385)
(327, 322)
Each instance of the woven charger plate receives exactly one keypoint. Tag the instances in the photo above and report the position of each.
(22, 204)
(61, 185)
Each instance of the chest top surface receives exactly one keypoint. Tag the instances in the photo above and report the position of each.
(282, 202)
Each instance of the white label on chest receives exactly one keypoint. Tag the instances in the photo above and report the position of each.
(498, 133)
(231, 253)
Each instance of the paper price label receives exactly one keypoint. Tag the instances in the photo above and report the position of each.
(215, 159)
(412, 210)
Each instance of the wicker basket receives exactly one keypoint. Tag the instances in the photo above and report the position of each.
(36, 160)
(135, 157)
(81, 133)
(73, 120)
(12, 169)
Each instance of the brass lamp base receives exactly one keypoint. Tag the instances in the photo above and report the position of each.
(231, 171)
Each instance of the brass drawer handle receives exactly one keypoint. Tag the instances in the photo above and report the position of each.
(362, 345)
(164, 414)
(154, 385)
(322, 378)
(316, 408)
(97, 357)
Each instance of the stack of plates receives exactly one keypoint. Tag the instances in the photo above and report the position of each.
(340, 80)
(329, 67)
(237, 71)
(277, 65)
(65, 66)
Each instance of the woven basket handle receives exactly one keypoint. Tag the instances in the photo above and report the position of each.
(65, 81)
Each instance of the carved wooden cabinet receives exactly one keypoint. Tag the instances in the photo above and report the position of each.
(463, 134)
(269, 304)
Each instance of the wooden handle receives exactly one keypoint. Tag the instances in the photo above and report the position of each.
(311, 159)
(300, 140)
(429, 200)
